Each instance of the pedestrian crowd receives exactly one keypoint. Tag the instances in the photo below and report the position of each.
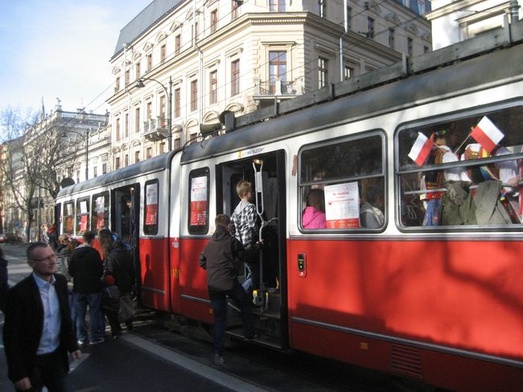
(61, 306)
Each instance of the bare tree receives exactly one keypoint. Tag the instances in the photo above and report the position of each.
(32, 152)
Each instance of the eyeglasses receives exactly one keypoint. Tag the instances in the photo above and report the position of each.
(47, 258)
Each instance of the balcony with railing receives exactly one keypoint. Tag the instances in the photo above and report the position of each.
(156, 129)
(281, 89)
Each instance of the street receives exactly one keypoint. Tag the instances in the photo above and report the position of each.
(130, 363)
(151, 357)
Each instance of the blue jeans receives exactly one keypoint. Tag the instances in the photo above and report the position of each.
(93, 301)
(219, 304)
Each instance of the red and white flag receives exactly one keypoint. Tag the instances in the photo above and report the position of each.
(487, 134)
(421, 149)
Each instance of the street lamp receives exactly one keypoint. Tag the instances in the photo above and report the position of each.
(86, 136)
(140, 84)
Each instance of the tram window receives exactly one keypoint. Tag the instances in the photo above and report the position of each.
(199, 201)
(152, 191)
(100, 208)
(342, 183)
(461, 171)
(82, 216)
(68, 218)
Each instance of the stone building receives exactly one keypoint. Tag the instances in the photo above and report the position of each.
(180, 63)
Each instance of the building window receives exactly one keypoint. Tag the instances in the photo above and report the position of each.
(149, 153)
(149, 113)
(277, 71)
(235, 9)
(195, 32)
(392, 34)
(177, 44)
(117, 130)
(410, 46)
(137, 120)
(214, 21)
(126, 157)
(370, 28)
(117, 85)
(277, 5)
(149, 62)
(137, 70)
(117, 163)
(163, 110)
(235, 77)
(126, 124)
(136, 156)
(95, 171)
(104, 168)
(177, 99)
(163, 53)
(213, 87)
(322, 8)
(162, 147)
(323, 72)
(347, 72)
(194, 95)
(349, 19)
(127, 78)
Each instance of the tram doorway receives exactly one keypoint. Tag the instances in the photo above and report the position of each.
(266, 174)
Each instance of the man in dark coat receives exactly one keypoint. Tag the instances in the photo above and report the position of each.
(38, 331)
(86, 268)
(219, 258)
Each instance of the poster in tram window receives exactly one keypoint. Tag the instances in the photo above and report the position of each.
(342, 206)
(151, 205)
(198, 201)
(84, 219)
(100, 212)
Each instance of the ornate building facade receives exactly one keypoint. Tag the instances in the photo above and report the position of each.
(180, 63)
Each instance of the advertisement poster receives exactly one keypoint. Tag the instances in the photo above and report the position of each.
(151, 204)
(342, 206)
(100, 212)
(198, 201)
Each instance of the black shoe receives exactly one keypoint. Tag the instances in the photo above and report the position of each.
(253, 337)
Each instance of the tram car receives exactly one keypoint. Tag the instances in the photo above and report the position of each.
(417, 268)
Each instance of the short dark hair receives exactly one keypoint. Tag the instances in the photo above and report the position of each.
(32, 246)
(88, 236)
(222, 220)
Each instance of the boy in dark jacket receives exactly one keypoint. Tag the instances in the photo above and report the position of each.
(119, 266)
(86, 268)
(219, 258)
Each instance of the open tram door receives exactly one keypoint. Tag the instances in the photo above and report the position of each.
(124, 221)
(266, 173)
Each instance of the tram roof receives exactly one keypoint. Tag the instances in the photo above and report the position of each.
(440, 73)
(150, 165)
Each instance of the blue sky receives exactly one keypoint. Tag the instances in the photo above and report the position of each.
(60, 49)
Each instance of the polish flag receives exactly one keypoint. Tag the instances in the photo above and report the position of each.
(421, 149)
(487, 134)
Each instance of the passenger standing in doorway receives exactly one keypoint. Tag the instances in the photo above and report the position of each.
(38, 331)
(245, 229)
(220, 259)
(86, 268)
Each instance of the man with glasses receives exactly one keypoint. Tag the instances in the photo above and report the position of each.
(38, 331)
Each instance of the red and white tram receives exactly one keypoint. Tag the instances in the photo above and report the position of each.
(439, 301)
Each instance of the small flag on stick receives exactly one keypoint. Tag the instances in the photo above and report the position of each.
(487, 134)
(421, 149)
